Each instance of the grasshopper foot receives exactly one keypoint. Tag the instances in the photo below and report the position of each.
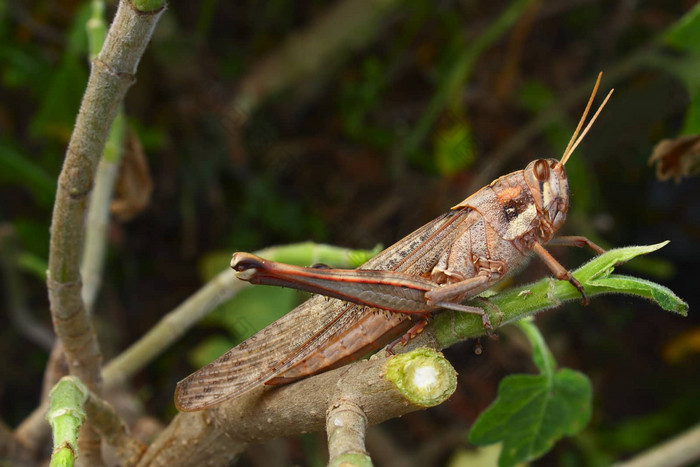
(487, 326)
(584, 301)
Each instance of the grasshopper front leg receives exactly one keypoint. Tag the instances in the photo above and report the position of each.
(560, 272)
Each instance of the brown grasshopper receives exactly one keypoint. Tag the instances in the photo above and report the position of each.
(455, 257)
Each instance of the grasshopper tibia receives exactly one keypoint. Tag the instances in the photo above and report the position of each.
(410, 334)
(560, 272)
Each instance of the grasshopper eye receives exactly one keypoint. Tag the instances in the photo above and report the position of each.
(541, 170)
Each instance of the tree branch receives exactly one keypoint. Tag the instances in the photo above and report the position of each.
(112, 73)
(269, 412)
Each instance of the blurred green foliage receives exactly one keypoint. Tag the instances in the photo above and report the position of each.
(360, 153)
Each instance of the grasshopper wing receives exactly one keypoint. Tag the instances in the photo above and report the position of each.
(266, 354)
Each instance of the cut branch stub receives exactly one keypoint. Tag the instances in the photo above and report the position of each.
(423, 376)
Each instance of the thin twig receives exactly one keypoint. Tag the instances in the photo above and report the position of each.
(113, 429)
(13, 287)
(683, 449)
(346, 424)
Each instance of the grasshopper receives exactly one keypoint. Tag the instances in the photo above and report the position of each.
(447, 261)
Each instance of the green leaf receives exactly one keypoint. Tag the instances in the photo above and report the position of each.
(532, 412)
(604, 263)
(685, 33)
(663, 296)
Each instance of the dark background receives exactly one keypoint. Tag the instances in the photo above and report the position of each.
(333, 157)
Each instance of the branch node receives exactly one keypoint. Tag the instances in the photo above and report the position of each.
(101, 66)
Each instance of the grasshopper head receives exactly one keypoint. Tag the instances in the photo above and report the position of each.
(547, 177)
(548, 184)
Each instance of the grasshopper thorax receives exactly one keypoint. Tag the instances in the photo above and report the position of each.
(547, 181)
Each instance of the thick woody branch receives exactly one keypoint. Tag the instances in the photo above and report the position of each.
(112, 73)
(270, 412)
(107, 170)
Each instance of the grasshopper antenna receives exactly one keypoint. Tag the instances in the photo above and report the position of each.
(575, 138)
